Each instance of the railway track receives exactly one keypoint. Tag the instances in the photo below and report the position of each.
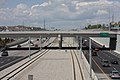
(20, 68)
(75, 63)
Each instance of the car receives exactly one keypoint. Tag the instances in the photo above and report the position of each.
(106, 63)
(115, 74)
(103, 46)
(114, 61)
(36, 45)
(84, 42)
(4, 53)
(37, 39)
(94, 53)
(18, 46)
(96, 49)
(32, 44)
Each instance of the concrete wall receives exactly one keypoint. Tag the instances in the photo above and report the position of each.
(86, 68)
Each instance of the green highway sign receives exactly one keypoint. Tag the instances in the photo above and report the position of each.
(104, 34)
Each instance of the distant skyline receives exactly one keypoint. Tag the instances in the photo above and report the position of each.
(61, 14)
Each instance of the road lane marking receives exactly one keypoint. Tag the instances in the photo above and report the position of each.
(101, 70)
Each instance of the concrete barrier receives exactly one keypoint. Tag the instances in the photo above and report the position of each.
(86, 68)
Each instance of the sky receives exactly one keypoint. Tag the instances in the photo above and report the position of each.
(61, 14)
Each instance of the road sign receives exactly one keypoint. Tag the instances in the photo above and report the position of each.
(104, 34)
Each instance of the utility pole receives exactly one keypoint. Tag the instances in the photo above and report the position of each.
(90, 57)
(44, 23)
(113, 17)
(109, 25)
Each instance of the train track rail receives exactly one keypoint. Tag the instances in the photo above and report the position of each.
(20, 68)
(75, 57)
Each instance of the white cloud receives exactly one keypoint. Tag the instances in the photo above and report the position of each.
(21, 10)
(21, 6)
(101, 12)
(44, 4)
(93, 4)
(34, 6)
(77, 11)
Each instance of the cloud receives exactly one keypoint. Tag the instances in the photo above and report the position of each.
(57, 12)
(21, 10)
(101, 12)
(93, 4)
(2, 2)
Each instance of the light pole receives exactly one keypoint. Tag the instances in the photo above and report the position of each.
(40, 43)
(90, 57)
(81, 46)
(29, 47)
(109, 25)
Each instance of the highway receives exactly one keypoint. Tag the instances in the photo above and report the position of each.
(103, 72)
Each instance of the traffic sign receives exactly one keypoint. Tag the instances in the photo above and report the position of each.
(104, 34)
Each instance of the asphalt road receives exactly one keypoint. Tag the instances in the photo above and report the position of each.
(8, 59)
(103, 72)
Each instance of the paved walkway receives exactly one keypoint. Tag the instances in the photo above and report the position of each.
(56, 65)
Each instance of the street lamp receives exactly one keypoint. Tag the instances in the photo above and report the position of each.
(90, 57)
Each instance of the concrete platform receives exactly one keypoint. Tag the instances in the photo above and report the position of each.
(56, 65)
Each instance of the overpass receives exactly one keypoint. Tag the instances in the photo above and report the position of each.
(60, 34)
(37, 34)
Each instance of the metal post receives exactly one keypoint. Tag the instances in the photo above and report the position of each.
(40, 42)
(118, 28)
(77, 41)
(90, 58)
(73, 41)
(81, 46)
(60, 41)
(30, 77)
(29, 47)
(109, 20)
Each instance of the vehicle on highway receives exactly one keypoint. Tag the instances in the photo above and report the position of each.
(96, 49)
(36, 45)
(4, 53)
(103, 46)
(32, 44)
(84, 42)
(115, 74)
(94, 53)
(106, 63)
(18, 45)
(114, 61)
(37, 39)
